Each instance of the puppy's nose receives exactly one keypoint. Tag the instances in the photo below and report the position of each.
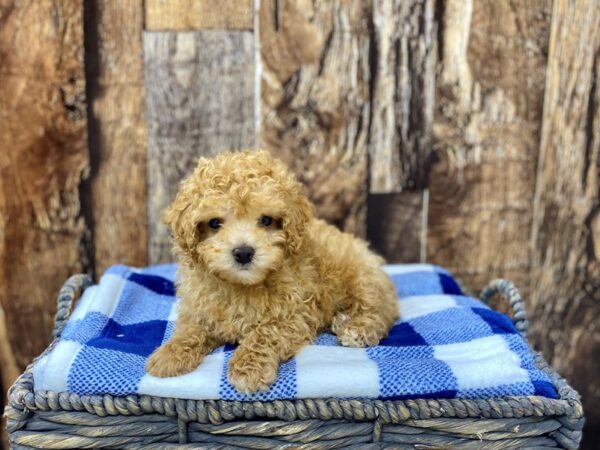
(243, 255)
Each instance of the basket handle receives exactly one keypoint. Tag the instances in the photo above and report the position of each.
(516, 302)
(68, 294)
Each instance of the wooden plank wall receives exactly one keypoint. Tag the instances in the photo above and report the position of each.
(315, 100)
(489, 109)
(200, 82)
(115, 195)
(200, 101)
(337, 81)
(486, 132)
(565, 300)
(401, 124)
(188, 15)
(43, 158)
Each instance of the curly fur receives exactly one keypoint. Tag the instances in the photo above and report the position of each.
(306, 276)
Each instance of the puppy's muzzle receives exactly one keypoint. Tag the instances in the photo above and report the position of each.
(243, 255)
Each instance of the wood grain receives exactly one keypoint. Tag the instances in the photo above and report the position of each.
(117, 133)
(9, 371)
(200, 101)
(8, 364)
(565, 305)
(404, 60)
(486, 134)
(189, 15)
(42, 161)
(315, 100)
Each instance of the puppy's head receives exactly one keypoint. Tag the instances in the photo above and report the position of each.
(239, 215)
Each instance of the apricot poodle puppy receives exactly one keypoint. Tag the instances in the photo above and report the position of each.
(257, 268)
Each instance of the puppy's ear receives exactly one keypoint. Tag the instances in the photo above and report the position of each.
(181, 214)
(299, 212)
(178, 217)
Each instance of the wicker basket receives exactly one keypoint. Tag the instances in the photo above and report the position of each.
(65, 420)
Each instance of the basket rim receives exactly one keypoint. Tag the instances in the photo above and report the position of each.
(23, 401)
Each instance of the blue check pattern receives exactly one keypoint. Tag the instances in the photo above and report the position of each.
(446, 345)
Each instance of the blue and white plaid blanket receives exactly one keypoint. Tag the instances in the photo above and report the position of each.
(446, 345)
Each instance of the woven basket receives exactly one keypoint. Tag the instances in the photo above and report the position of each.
(65, 420)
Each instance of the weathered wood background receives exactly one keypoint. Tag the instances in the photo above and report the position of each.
(461, 132)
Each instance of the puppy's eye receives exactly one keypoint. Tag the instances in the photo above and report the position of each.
(215, 223)
(266, 221)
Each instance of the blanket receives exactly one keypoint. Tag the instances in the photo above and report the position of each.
(446, 345)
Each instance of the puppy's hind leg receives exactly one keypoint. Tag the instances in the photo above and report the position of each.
(373, 310)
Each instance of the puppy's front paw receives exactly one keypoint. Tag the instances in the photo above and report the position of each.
(170, 361)
(351, 335)
(249, 372)
(339, 322)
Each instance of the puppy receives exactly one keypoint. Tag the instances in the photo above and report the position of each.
(257, 268)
